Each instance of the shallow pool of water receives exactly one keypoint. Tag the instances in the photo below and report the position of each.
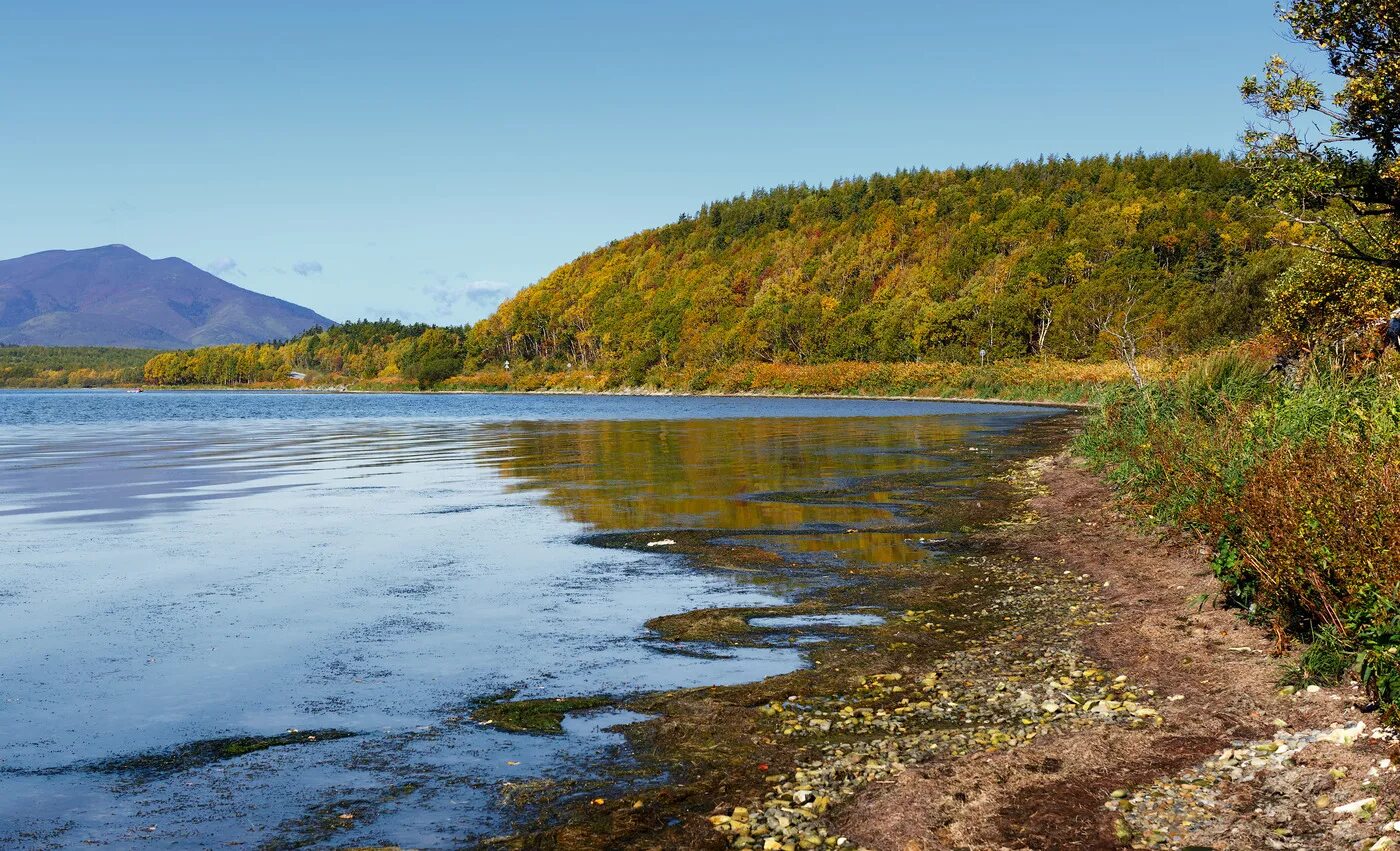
(833, 619)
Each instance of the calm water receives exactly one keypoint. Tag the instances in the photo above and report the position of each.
(176, 567)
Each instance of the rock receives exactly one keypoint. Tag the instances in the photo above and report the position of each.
(1363, 805)
(1344, 735)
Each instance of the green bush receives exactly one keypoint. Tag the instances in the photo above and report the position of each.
(1300, 487)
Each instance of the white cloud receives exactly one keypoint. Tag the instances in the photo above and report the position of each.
(448, 294)
(306, 268)
(223, 267)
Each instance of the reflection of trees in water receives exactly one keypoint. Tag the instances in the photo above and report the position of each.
(696, 473)
(875, 548)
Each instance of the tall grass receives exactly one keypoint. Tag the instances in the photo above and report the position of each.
(1298, 486)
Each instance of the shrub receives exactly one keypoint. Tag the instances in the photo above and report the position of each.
(1300, 487)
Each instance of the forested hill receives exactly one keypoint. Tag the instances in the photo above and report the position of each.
(1043, 258)
(922, 264)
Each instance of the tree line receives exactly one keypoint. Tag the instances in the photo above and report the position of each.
(70, 366)
(366, 350)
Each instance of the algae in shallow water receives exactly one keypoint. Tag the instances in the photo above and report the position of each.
(153, 764)
(537, 715)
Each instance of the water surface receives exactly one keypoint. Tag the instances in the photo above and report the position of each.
(178, 567)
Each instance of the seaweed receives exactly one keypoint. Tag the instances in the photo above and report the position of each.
(151, 765)
(535, 715)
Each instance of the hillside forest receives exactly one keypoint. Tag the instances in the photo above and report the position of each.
(1042, 260)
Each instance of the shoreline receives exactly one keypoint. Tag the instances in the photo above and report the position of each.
(1117, 707)
(1037, 403)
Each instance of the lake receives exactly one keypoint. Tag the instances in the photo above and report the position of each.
(183, 571)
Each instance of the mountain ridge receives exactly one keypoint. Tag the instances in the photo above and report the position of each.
(112, 295)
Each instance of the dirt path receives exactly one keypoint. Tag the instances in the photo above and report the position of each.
(1216, 686)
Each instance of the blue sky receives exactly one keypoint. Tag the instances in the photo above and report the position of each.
(423, 159)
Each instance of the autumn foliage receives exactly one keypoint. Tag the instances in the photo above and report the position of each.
(1017, 261)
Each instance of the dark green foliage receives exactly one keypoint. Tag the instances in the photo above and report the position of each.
(1239, 584)
(1326, 660)
(433, 355)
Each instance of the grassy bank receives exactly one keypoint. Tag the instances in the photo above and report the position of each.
(1297, 484)
(1034, 380)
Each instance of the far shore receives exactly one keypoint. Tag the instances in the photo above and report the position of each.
(626, 391)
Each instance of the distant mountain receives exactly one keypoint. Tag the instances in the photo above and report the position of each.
(114, 296)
